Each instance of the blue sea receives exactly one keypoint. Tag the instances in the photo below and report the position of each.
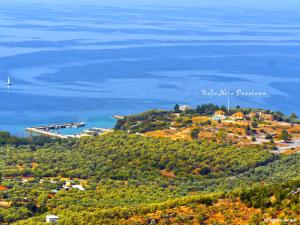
(71, 63)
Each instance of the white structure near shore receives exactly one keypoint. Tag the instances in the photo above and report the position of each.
(184, 108)
(51, 219)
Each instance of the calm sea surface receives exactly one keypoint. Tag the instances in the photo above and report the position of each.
(86, 63)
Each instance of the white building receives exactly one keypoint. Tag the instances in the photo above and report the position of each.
(52, 219)
(219, 115)
(78, 186)
(184, 108)
(66, 187)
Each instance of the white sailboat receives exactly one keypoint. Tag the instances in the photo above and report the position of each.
(8, 82)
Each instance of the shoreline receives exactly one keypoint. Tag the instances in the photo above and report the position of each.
(86, 133)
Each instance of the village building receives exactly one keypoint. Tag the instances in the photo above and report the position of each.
(78, 186)
(75, 186)
(253, 115)
(219, 115)
(54, 191)
(238, 116)
(184, 108)
(266, 116)
(296, 191)
(260, 115)
(52, 219)
(53, 181)
(24, 180)
(68, 183)
(66, 187)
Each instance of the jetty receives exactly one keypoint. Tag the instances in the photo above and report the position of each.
(45, 133)
(60, 126)
(48, 130)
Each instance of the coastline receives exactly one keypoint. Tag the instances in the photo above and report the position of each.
(54, 130)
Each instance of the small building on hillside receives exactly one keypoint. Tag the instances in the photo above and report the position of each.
(260, 115)
(238, 116)
(296, 191)
(219, 115)
(266, 116)
(66, 187)
(68, 183)
(52, 219)
(78, 186)
(253, 115)
(184, 108)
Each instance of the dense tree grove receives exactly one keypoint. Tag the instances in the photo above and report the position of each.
(128, 175)
(145, 122)
(120, 156)
(7, 139)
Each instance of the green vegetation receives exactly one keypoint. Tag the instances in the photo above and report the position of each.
(254, 124)
(120, 156)
(268, 137)
(162, 119)
(284, 135)
(222, 134)
(145, 122)
(7, 139)
(135, 179)
(176, 108)
(195, 133)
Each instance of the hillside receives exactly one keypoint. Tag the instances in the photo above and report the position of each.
(131, 179)
(238, 126)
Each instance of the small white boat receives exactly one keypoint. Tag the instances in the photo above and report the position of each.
(8, 82)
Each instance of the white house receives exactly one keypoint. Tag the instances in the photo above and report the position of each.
(52, 219)
(184, 108)
(238, 116)
(78, 186)
(66, 187)
(219, 115)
